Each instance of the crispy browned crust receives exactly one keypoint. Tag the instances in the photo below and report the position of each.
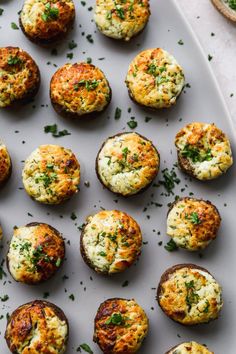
(48, 269)
(30, 93)
(165, 276)
(109, 334)
(96, 165)
(151, 109)
(59, 109)
(47, 42)
(62, 111)
(7, 177)
(191, 198)
(41, 304)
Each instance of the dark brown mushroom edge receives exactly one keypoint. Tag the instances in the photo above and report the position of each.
(120, 326)
(110, 242)
(80, 90)
(189, 347)
(127, 163)
(36, 252)
(189, 294)
(37, 327)
(193, 223)
(45, 22)
(21, 77)
(203, 151)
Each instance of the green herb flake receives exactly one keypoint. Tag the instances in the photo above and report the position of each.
(14, 26)
(193, 218)
(132, 124)
(54, 131)
(171, 246)
(4, 298)
(115, 319)
(195, 154)
(1, 11)
(232, 4)
(50, 13)
(86, 348)
(72, 45)
(14, 60)
(118, 112)
(180, 42)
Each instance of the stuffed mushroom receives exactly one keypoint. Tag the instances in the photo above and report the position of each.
(189, 348)
(51, 174)
(127, 163)
(19, 77)
(111, 241)
(155, 79)
(121, 19)
(47, 21)
(189, 294)
(5, 164)
(193, 223)
(38, 327)
(36, 252)
(120, 326)
(203, 151)
(79, 90)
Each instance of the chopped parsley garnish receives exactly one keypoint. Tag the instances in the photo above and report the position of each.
(73, 216)
(46, 179)
(170, 180)
(206, 309)
(192, 297)
(171, 246)
(54, 131)
(118, 112)
(90, 85)
(232, 4)
(210, 57)
(58, 262)
(14, 60)
(193, 218)
(50, 13)
(126, 283)
(180, 42)
(102, 254)
(1, 11)
(72, 297)
(195, 154)
(14, 26)
(132, 124)
(120, 11)
(4, 298)
(72, 45)
(115, 319)
(86, 348)
(89, 38)
(152, 69)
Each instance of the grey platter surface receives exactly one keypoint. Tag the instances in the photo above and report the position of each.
(201, 102)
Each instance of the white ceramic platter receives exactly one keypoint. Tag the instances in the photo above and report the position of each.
(201, 102)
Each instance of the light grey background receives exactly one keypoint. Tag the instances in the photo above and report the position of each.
(201, 102)
(205, 19)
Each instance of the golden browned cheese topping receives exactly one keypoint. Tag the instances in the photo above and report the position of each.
(203, 150)
(80, 88)
(111, 241)
(155, 79)
(38, 327)
(19, 75)
(127, 163)
(5, 163)
(193, 223)
(190, 348)
(36, 252)
(51, 174)
(46, 19)
(121, 19)
(120, 326)
(190, 296)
